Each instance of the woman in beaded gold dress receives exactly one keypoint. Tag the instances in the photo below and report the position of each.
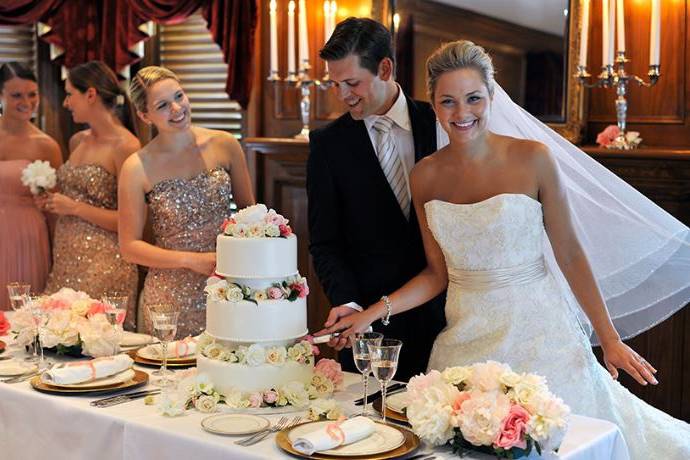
(183, 178)
(86, 256)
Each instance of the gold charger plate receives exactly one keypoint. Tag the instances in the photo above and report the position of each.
(390, 413)
(158, 363)
(410, 444)
(140, 379)
(100, 384)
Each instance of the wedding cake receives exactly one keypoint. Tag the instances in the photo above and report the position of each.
(256, 311)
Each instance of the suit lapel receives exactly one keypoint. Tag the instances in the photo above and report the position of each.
(423, 131)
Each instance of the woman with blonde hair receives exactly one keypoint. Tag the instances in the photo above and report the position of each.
(526, 232)
(25, 248)
(86, 256)
(183, 179)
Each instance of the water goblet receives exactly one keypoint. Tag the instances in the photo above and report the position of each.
(39, 315)
(164, 318)
(384, 363)
(18, 293)
(116, 308)
(361, 356)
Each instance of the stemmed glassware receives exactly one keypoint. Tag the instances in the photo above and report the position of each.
(164, 318)
(18, 293)
(39, 317)
(117, 308)
(384, 363)
(362, 358)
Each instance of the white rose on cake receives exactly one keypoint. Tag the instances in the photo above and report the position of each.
(216, 289)
(251, 214)
(296, 394)
(256, 355)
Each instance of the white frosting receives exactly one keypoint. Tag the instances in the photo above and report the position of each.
(256, 257)
(232, 376)
(269, 321)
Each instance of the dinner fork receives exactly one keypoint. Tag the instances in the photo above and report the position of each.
(277, 427)
(262, 436)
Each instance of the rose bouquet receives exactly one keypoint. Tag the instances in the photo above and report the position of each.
(486, 407)
(71, 322)
(39, 176)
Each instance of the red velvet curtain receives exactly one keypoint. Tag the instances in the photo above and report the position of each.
(107, 29)
(18, 12)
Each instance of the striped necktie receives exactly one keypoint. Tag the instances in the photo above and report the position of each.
(391, 163)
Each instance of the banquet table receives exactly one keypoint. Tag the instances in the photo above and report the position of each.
(35, 425)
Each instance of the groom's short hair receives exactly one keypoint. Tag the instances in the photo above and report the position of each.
(364, 37)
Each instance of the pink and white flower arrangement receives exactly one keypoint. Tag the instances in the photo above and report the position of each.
(4, 324)
(291, 289)
(256, 221)
(39, 176)
(611, 138)
(71, 322)
(487, 407)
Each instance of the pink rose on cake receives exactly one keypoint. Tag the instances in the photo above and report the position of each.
(275, 293)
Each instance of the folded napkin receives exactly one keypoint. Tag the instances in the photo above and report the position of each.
(86, 371)
(177, 348)
(334, 434)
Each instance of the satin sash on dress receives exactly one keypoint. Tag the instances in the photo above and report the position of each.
(484, 280)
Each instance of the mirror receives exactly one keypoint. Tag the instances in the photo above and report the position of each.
(533, 44)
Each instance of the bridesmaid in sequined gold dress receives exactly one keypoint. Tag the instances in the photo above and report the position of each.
(24, 241)
(86, 256)
(183, 176)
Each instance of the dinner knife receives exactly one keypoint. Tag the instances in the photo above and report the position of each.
(113, 400)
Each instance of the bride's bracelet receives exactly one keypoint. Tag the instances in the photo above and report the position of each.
(386, 320)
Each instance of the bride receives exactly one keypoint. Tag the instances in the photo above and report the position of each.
(522, 232)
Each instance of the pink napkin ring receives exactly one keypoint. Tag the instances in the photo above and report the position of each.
(89, 364)
(336, 433)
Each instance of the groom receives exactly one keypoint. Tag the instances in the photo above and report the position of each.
(364, 235)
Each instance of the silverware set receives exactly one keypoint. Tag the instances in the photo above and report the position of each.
(27, 375)
(123, 398)
(259, 436)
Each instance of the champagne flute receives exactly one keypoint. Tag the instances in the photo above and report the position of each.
(384, 363)
(164, 318)
(361, 355)
(18, 293)
(39, 316)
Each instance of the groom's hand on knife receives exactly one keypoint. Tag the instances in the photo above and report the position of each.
(346, 321)
(334, 316)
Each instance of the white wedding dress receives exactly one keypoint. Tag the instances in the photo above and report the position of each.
(504, 305)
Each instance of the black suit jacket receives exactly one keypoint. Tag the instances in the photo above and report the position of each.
(362, 245)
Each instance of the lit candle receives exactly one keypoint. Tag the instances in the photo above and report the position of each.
(612, 32)
(274, 37)
(655, 33)
(303, 36)
(620, 25)
(584, 36)
(605, 33)
(326, 20)
(334, 10)
(291, 37)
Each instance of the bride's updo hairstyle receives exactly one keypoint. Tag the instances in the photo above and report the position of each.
(460, 54)
(145, 79)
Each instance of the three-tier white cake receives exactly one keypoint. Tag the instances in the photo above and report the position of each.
(256, 308)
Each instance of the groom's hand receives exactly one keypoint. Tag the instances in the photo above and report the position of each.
(334, 316)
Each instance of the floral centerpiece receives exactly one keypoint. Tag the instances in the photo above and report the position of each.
(612, 138)
(39, 176)
(256, 222)
(486, 407)
(72, 323)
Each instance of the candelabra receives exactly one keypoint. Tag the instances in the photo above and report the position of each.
(304, 82)
(616, 77)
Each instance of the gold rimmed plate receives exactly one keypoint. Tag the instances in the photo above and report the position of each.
(158, 363)
(389, 441)
(140, 379)
(234, 424)
(390, 413)
(148, 353)
(102, 383)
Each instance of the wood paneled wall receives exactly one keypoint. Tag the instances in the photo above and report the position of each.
(662, 113)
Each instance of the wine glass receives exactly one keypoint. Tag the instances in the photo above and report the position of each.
(361, 355)
(384, 363)
(117, 308)
(164, 318)
(19, 293)
(39, 315)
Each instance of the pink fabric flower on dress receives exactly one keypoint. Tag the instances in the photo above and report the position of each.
(608, 135)
(4, 324)
(513, 429)
(331, 370)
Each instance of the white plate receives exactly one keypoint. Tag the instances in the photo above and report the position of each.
(13, 368)
(397, 402)
(120, 377)
(384, 439)
(154, 352)
(134, 339)
(234, 424)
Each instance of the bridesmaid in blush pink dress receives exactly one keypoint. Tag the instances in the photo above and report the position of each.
(24, 241)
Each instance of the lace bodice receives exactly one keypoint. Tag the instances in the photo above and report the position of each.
(503, 231)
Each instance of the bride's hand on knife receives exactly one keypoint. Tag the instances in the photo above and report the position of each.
(619, 355)
(347, 321)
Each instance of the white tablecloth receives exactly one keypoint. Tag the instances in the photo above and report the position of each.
(37, 426)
